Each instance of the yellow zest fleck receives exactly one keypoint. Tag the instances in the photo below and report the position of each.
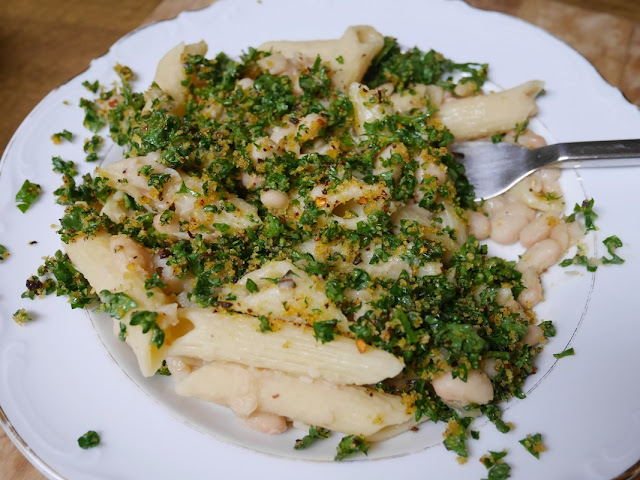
(378, 420)
(362, 345)
(321, 202)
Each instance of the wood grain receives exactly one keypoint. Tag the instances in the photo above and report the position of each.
(44, 43)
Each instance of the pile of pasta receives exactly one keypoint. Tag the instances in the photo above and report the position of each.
(294, 329)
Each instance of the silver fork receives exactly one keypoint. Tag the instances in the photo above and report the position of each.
(494, 168)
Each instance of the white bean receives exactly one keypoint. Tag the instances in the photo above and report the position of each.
(274, 199)
(479, 225)
(534, 335)
(251, 180)
(266, 422)
(477, 389)
(560, 233)
(532, 294)
(505, 228)
(538, 229)
(245, 83)
(542, 255)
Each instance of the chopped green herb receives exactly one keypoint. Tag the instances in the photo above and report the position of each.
(265, 324)
(324, 330)
(340, 60)
(315, 433)
(63, 167)
(350, 445)
(92, 119)
(27, 194)
(148, 321)
(497, 469)
(122, 332)
(586, 209)
(63, 135)
(116, 305)
(92, 87)
(164, 370)
(533, 444)
(21, 316)
(185, 189)
(612, 243)
(154, 282)
(455, 436)
(59, 276)
(251, 286)
(4, 253)
(567, 353)
(519, 130)
(581, 260)
(89, 440)
(497, 138)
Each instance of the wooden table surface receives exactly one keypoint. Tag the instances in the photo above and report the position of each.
(44, 43)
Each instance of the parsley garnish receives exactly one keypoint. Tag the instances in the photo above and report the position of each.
(586, 209)
(519, 130)
(324, 330)
(251, 286)
(567, 353)
(612, 243)
(154, 281)
(63, 167)
(265, 324)
(4, 253)
(59, 276)
(89, 440)
(92, 87)
(117, 305)
(498, 470)
(92, 120)
(63, 135)
(27, 194)
(21, 316)
(147, 320)
(533, 444)
(350, 445)
(315, 433)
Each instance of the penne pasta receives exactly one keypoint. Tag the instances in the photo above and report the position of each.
(288, 348)
(486, 115)
(348, 409)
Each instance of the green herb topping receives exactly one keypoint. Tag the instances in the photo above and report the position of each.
(315, 433)
(21, 316)
(89, 440)
(27, 194)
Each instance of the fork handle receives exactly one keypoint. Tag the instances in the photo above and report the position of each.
(614, 153)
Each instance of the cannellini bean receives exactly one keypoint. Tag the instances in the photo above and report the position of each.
(251, 180)
(538, 229)
(274, 199)
(245, 83)
(479, 225)
(477, 389)
(275, 64)
(534, 336)
(532, 294)
(560, 233)
(130, 253)
(505, 228)
(542, 255)
(266, 422)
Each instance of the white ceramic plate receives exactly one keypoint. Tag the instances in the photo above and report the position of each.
(58, 380)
